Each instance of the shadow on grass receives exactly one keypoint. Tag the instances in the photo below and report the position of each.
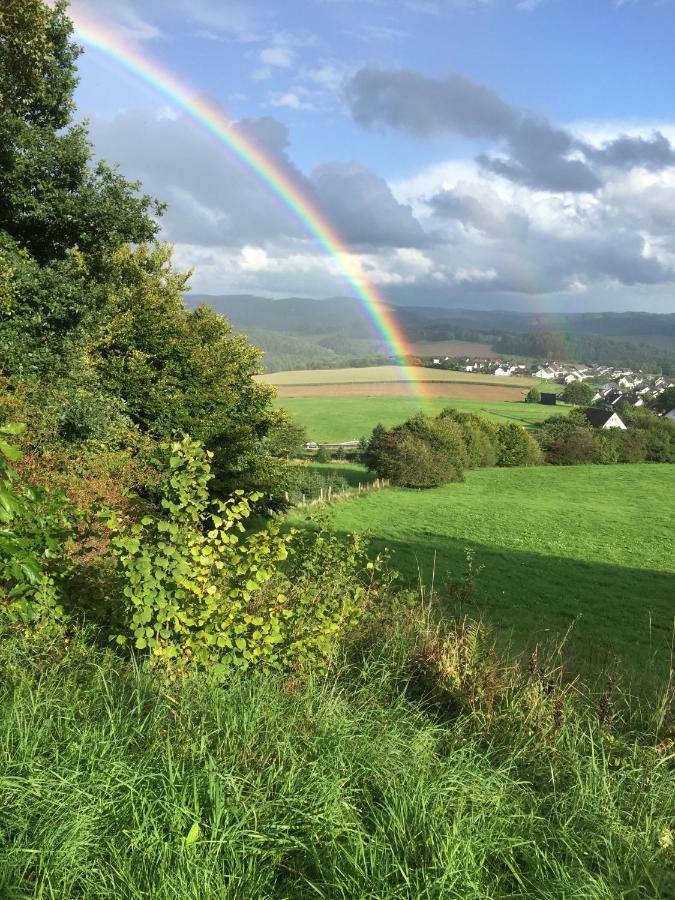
(352, 475)
(615, 616)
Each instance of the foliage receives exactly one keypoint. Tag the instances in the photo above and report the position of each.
(665, 401)
(201, 592)
(35, 528)
(422, 766)
(309, 482)
(515, 447)
(286, 438)
(93, 325)
(533, 395)
(421, 453)
(578, 393)
(571, 440)
(427, 452)
(568, 441)
(53, 201)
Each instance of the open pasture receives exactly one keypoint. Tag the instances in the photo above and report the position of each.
(330, 418)
(379, 374)
(586, 549)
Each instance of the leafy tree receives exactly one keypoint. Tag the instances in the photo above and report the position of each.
(53, 201)
(533, 395)
(92, 314)
(286, 437)
(568, 441)
(665, 401)
(420, 453)
(516, 447)
(578, 392)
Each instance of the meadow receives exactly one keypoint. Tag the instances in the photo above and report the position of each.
(336, 418)
(392, 374)
(345, 404)
(586, 549)
(383, 778)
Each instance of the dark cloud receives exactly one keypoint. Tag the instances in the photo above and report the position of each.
(536, 153)
(215, 200)
(626, 152)
(412, 102)
(363, 208)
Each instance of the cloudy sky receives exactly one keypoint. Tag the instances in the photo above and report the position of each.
(483, 153)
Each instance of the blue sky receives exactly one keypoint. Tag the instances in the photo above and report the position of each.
(473, 152)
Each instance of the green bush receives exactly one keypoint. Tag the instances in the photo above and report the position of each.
(516, 447)
(533, 395)
(420, 453)
(202, 592)
(578, 392)
(35, 529)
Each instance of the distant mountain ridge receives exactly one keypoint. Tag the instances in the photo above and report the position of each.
(293, 315)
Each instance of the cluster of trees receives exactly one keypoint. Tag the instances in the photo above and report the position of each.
(426, 452)
(97, 347)
(587, 348)
(571, 440)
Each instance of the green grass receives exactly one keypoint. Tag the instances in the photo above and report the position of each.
(342, 787)
(332, 419)
(391, 373)
(587, 547)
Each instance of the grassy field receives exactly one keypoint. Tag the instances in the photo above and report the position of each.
(586, 547)
(114, 784)
(350, 418)
(391, 374)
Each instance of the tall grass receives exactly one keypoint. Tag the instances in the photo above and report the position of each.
(417, 769)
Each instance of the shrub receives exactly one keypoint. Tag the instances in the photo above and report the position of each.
(202, 592)
(421, 453)
(533, 395)
(516, 447)
(567, 441)
(35, 528)
(578, 392)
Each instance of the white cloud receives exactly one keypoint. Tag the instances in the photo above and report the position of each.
(278, 56)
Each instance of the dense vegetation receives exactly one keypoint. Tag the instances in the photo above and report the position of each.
(198, 699)
(426, 452)
(571, 439)
(97, 348)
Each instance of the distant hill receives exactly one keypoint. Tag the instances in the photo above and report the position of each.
(300, 332)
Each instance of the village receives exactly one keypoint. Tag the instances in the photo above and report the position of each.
(613, 386)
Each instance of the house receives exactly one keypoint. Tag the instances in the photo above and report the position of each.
(603, 418)
(612, 397)
(573, 376)
(546, 373)
(549, 399)
(501, 371)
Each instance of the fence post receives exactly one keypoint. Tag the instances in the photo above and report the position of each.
(330, 491)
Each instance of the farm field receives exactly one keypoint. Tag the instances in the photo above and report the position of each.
(378, 374)
(585, 548)
(339, 418)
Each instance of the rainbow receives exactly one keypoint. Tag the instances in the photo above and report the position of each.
(96, 35)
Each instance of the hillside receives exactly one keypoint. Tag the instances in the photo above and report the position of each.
(557, 553)
(329, 332)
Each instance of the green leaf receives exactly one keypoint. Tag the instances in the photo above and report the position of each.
(193, 835)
